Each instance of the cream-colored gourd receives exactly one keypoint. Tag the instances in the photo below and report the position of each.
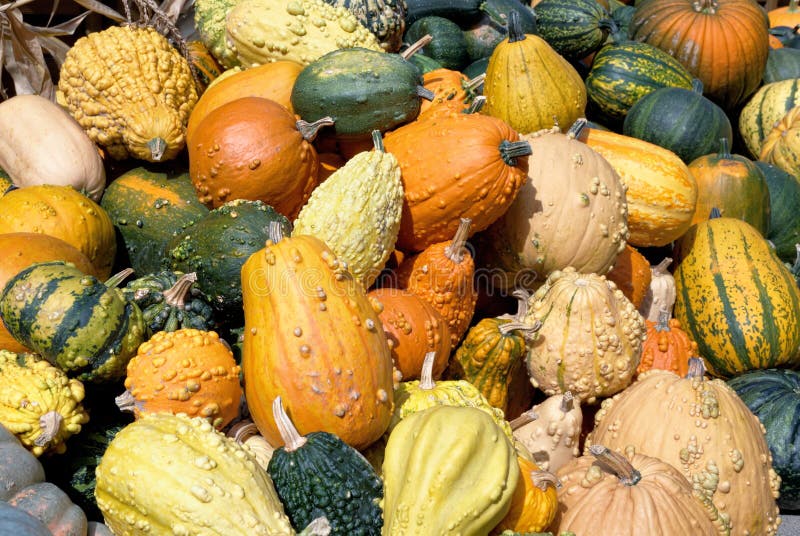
(42, 144)
(551, 431)
(661, 293)
(246, 434)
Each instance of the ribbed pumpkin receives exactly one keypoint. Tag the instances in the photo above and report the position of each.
(575, 28)
(590, 339)
(667, 346)
(736, 298)
(312, 337)
(551, 430)
(768, 106)
(631, 273)
(62, 212)
(788, 15)
(734, 185)
(660, 293)
(661, 193)
(722, 42)
(529, 85)
(534, 504)
(253, 148)
(781, 147)
(455, 166)
(784, 221)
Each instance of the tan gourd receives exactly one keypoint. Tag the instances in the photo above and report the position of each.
(551, 431)
(661, 293)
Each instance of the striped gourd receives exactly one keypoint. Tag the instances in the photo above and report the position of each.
(736, 298)
(574, 28)
(765, 109)
(85, 327)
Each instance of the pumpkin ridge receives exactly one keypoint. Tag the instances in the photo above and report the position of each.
(28, 313)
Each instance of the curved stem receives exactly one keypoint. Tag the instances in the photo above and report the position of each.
(115, 280)
(661, 268)
(515, 32)
(292, 440)
(455, 251)
(416, 46)
(724, 149)
(426, 382)
(526, 417)
(523, 297)
(175, 296)
(543, 479)
(697, 368)
(125, 402)
(526, 329)
(309, 131)
(50, 423)
(567, 402)
(663, 319)
(510, 150)
(157, 148)
(615, 464)
(275, 232)
(377, 141)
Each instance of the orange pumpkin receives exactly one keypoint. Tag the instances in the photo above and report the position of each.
(452, 90)
(254, 149)
(785, 16)
(534, 504)
(631, 273)
(667, 346)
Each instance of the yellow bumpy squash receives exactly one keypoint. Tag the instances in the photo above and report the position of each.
(38, 403)
(356, 211)
(263, 31)
(130, 90)
(447, 471)
(171, 474)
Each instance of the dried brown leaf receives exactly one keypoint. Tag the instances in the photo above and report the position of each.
(102, 9)
(56, 48)
(65, 28)
(26, 63)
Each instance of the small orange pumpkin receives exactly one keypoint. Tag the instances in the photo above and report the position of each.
(452, 90)
(631, 273)
(667, 346)
(534, 504)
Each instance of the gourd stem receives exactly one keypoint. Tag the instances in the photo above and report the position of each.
(416, 46)
(426, 382)
(615, 464)
(476, 105)
(309, 131)
(697, 86)
(474, 83)
(115, 280)
(542, 479)
(515, 32)
(526, 329)
(292, 440)
(175, 296)
(510, 150)
(577, 127)
(425, 93)
(318, 527)
(663, 319)
(50, 423)
(242, 431)
(610, 25)
(697, 368)
(275, 232)
(705, 6)
(567, 402)
(724, 149)
(715, 213)
(523, 297)
(125, 402)
(455, 251)
(793, 6)
(661, 267)
(526, 417)
(157, 148)
(377, 141)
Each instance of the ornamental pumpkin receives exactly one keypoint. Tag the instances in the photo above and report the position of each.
(606, 492)
(62, 212)
(384, 18)
(736, 299)
(781, 147)
(661, 194)
(667, 346)
(131, 108)
(184, 371)
(535, 502)
(631, 273)
(575, 28)
(766, 108)
(452, 90)
(579, 220)
(722, 42)
(313, 338)
(205, 66)
(660, 293)
(590, 339)
(529, 85)
(788, 15)
(707, 433)
(253, 148)
(782, 64)
(447, 44)
(443, 276)
(209, 19)
(551, 431)
(784, 220)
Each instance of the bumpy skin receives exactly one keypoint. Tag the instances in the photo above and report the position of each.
(209, 18)
(127, 87)
(30, 387)
(553, 437)
(161, 315)
(386, 19)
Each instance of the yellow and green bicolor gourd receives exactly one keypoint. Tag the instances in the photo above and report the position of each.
(447, 470)
(38, 403)
(356, 211)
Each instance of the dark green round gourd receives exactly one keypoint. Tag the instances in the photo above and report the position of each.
(149, 206)
(483, 36)
(784, 200)
(462, 12)
(622, 16)
(85, 327)
(773, 395)
(362, 90)
(574, 28)
(678, 119)
(782, 64)
(319, 474)
(424, 63)
(216, 247)
(386, 19)
(448, 45)
(170, 301)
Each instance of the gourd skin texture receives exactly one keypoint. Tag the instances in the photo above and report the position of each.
(256, 31)
(386, 19)
(209, 19)
(30, 387)
(356, 212)
(207, 483)
(14, 521)
(142, 100)
(434, 483)
(631, 273)
(781, 147)
(764, 109)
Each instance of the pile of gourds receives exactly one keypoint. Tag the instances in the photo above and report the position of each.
(364, 267)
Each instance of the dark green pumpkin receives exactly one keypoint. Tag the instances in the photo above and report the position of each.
(622, 16)
(773, 395)
(170, 301)
(216, 247)
(782, 64)
(386, 19)
(362, 90)
(462, 12)
(448, 46)
(669, 117)
(149, 206)
(83, 326)
(319, 474)
(574, 28)
(483, 36)
(784, 200)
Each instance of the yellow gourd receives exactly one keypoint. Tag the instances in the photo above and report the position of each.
(535, 502)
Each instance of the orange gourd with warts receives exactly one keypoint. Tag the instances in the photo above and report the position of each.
(667, 346)
(452, 90)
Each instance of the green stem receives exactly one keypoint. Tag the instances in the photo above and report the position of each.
(515, 32)
(724, 149)
(697, 86)
(377, 141)
(115, 280)
(616, 464)
(510, 150)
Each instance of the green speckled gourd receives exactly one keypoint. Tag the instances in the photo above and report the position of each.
(209, 19)
(169, 301)
(319, 474)
(216, 247)
(447, 470)
(386, 19)
(574, 28)
(263, 31)
(38, 403)
(207, 483)
(85, 327)
(356, 211)
(362, 90)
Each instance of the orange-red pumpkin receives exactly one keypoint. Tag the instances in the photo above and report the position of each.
(667, 346)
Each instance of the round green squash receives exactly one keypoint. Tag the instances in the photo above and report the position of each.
(669, 117)
(773, 396)
(462, 12)
(448, 46)
(483, 36)
(782, 64)
(784, 200)
(574, 28)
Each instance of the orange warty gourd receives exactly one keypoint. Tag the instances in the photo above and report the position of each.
(452, 90)
(631, 273)
(534, 504)
(666, 346)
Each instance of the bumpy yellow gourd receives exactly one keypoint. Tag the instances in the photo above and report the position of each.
(38, 403)
(356, 211)
(447, 471)
(262, 31)
(130, 90)
(205, 483)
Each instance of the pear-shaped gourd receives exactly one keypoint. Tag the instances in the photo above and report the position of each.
(551, 431)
